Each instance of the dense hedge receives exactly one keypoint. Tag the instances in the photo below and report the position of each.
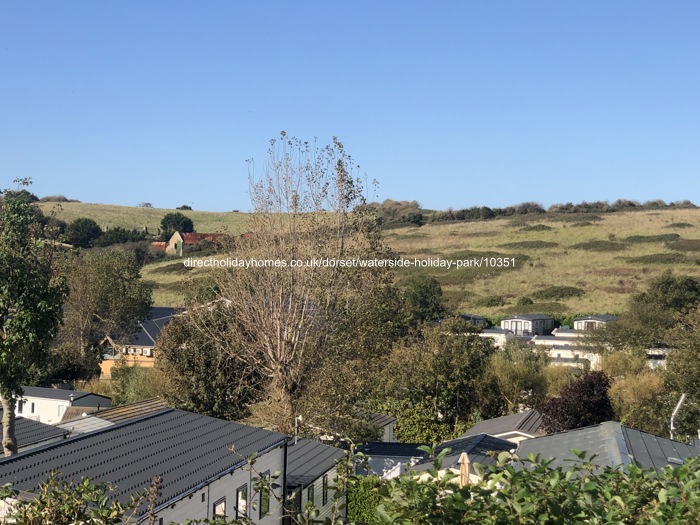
(363, 499)
(532, 492)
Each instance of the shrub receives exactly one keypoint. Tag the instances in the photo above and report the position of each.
(658, 258)
(82, 232)
(600, 246)
(530, 245)
(685, 245)
(666, 237)
(535, 228)
(523, 301)
(57, 198)
(679, 225)
(532, 490)
(558, 292)
(490, 301)
(363, 499)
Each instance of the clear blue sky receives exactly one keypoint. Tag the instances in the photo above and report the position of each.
(453, 104)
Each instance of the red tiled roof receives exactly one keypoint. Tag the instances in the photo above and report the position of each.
(196, 238)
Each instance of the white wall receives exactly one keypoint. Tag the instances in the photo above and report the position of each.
(41, 409)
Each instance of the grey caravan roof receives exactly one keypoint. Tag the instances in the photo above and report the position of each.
(308, 460)
(187, 450)
(614, 444)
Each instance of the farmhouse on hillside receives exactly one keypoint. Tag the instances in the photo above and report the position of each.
(179, 242)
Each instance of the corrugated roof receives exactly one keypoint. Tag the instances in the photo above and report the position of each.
(85, 424)
(149, 330)
(308, 460)
(187, 450)
(603, 318)
(529, 317)
(130, 411)
(476, 447)
(29, 432)
(56, 393)
(614, 444)
(77, 412)
(97, 419)
(528, 422)
(388, 449)
(381, 420)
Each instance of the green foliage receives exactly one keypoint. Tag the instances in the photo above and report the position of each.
(30, 305)
(558, 292)
(666, 237)
(530, 245)
(132, 383)
(518, 374)
(107, 299)
(363, 499)
(548, 308)
(392, 213)
(685, 245)
(532, 492)
(184, 207)
(61, 502)
(490, 301)
(651, 314)
(670, 292)
(175, 222)
(434, 383)
(119, 235)
(600, 246)
(523, 301)
(679, 225)
(583, 402)
(82, 232)
(658, 258)
(204, 373)
(535, 228)
(423, 298)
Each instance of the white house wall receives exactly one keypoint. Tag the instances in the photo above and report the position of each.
(49, 411)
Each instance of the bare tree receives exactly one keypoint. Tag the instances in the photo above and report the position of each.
(290, 298)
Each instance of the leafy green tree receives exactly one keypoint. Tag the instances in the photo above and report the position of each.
(682, 373)
(204, 375)
(424, 298)
(132, 383)
(341, 388)
(435, 383)
(82, 232)
(650, 315)
(583, 402)
(119, 235)
(175, 222)
(30, 306)
(519, 374)
(107, 299)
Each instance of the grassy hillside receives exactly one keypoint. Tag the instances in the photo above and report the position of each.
(607, 258)
(599, 260)
(109, 216)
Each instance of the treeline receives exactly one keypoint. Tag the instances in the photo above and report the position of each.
(392, 213)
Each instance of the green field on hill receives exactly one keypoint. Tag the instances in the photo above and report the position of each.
(137, 218)
(564, 263)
